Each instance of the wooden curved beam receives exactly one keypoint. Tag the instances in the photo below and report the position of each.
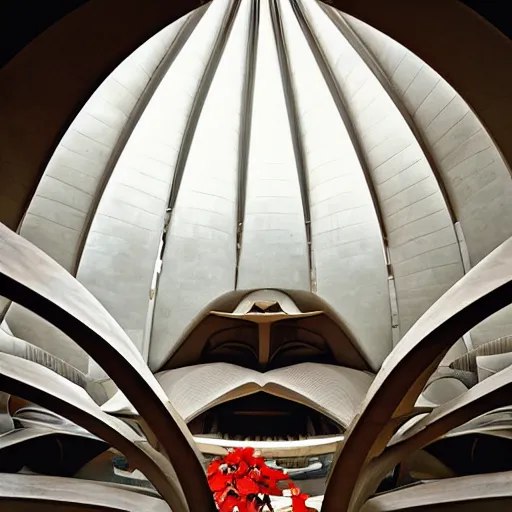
(32, 279)
(37, 104)
(43, 493)
(483, 291)
(469, 493)
(42, 386)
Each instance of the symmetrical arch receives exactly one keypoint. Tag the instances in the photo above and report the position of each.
(34, 280)
(373, 186)
(265, 198)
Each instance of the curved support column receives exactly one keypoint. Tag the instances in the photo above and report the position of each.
(481, 292)
(470, 493)
(484, 397)
(37, 492)
(35, 281)
(42, 386)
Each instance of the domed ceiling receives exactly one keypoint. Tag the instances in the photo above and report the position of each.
(270, 144)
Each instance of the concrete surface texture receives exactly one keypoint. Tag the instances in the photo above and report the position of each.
(269, 145)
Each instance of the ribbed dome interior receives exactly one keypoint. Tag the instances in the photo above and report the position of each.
(274, 144)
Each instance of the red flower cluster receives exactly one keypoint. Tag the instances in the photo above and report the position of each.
(242, 479)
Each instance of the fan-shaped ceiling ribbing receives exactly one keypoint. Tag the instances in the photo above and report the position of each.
(270, 144)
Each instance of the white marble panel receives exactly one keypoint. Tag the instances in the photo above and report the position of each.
(350, 268)
(475, 175)
(122, 247)
(410, 199)
(199, 260)
(58, 217)
(274, 250)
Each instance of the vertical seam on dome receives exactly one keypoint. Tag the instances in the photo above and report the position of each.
(295, 128)
(369, 59)
(186, 143)
(466, 263)
(245, 125)
(340, 103)
(200, 98)
(170, 56)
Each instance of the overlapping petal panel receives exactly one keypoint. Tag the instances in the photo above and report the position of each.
(274, 144)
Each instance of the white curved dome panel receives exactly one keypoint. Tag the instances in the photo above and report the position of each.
(347, 245)
(122, 246)
(274, 251)
(205, 211)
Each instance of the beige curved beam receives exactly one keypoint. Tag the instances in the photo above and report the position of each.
(484, 397)
(48, 389)
(482, 291)
(6, 423)
(22, 435)
(19, 493)
(33, 119)
(34, 280)
(469, 493)
(496, 423)
(10, 344)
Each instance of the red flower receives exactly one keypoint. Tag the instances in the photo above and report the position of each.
(247, 486)
(239, 477)
(298, 499)
(213, 467)
(229, 504)
(271, 489)
(273, 474)
(241, 470)
(219, 481)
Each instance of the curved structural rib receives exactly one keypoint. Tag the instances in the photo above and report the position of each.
(492, 393)
(423, 250)
(32, 382)
(37, 492)
(295, 125)
(200, 98)
(132, 211)
(471, 492)
(61, 213)
(204, 208)
(35, 281)
(246, 123)
(483, 291)
(340, 102)
(486, 396)
(374, 66)
(176, 46)
(61, 219)
(411, 24)
(345, 231)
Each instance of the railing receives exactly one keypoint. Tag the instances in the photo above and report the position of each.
(297, 448)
